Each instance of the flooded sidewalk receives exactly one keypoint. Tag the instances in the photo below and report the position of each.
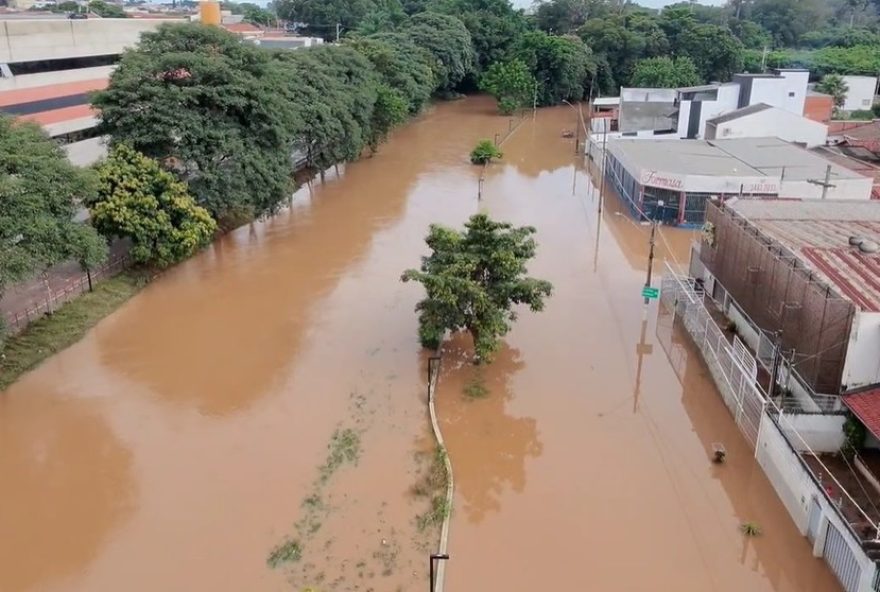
(269, 394)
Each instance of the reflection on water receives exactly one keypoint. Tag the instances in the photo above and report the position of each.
(177, 441)
(66, 484)
(491, 447)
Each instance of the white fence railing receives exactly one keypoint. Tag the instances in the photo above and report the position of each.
(778, 445)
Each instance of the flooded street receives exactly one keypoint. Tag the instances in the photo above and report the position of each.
(272, 389)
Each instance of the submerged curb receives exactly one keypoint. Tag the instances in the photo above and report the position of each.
(433, 376)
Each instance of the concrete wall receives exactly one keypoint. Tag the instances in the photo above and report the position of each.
(87, 152)
(794, 90)
(726, 101)
(860, 95)
(32, 40)
(859, 188)
(773, 122)
(821, 433)
(862, 366)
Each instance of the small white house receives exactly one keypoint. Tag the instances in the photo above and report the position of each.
(762, 120)
(860, 93)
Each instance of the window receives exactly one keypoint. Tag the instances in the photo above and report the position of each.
(63, 64)
(791, 93)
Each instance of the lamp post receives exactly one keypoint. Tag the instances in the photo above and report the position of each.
(577, 126)
(435, 557)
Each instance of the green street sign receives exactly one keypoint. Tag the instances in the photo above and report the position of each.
(649, 292)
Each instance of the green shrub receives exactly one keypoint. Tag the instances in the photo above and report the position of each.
(484, 152)
(864, 115)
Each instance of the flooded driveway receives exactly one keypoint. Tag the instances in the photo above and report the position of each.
(271, 391)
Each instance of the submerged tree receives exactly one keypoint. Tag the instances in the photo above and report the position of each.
(473, 279)
(138, 200)
(665, 72)
(39, 195)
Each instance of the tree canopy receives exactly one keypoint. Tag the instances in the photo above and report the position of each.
(138, 200)
(666, 73)
(510, 83)
(473, 279)
(40, 192)
(208, 108)
(449, 43)
(563, 66)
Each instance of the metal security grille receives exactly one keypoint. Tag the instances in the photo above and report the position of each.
(841, 560)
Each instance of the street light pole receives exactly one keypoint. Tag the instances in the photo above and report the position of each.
(433, 560)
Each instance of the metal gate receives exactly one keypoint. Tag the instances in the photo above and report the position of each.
(815, 520)
(841, 560)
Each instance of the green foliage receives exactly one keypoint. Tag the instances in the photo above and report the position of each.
(563, 66)
(510, 83)
(562, 17)
(401, 65)
(715, 51)
(862, 114)
(834, 85)
(344, 447)
(140, 201)
(484, 152)
(839, 37)
(333, 89)
(750, 34)
(105, 10)
(449, 43)
(287, 551)
(788, 20)
(854, 434)
(750, 529)
(621, 41)
(389, 111)
(67, 6)
(256, 14)
(51, 334)
(494, 26)
(321, 16)
(665, 73)
(39, 195)
(473, 279)
(210, 109)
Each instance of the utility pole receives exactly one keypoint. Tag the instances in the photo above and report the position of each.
(602, 167)
(824, 184)
(764, 58)
(774, 367)
(535, 100)
(338, 31)
(651, 257)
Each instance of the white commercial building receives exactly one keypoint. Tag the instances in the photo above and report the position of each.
(672, 180)
(763, 120)
(860, 92)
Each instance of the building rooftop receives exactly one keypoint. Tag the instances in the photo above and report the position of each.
(817, 233)
(776, 157)
(866, 406)
(737, 113)
(606, 101)
(685, 157)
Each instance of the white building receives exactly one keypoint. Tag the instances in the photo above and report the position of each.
(763, 120)
(860, 93)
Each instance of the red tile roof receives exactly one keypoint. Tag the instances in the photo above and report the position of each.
(866, 406)
(60, 115)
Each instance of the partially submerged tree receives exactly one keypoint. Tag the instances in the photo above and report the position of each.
(473, 279)
(484, 152)
(209, 109)
(448, 41)
(389, 111)
(138, 200)
(39, 195)
(510, 83)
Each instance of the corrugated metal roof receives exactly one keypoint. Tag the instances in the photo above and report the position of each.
(866, 406)
(818, 233)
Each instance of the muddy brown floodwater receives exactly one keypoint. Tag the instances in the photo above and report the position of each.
(271, 391)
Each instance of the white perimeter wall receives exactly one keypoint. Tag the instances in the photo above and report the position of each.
(862, 366)
(728, 98)
(859, 188)
(821, 433)
(860, 95)
(60, 77)
(775, 122)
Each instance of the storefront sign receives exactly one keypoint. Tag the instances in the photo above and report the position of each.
(764, 186)
(662, 180)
